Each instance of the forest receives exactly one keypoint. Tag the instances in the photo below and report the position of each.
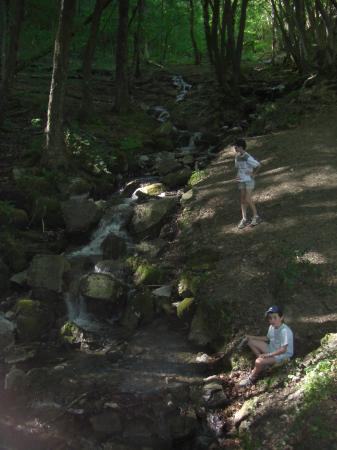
(126, 286)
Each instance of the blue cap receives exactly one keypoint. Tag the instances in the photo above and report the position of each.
(274, 309)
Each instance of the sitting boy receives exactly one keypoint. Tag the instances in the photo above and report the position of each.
(276, 347)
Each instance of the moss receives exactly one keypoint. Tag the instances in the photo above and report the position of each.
(147, 273)
(196, 177)
(185, 307)
(70, 333)
(190, 282)
(32, 319)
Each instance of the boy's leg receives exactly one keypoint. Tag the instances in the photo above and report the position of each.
(260, 365)
(257, 346)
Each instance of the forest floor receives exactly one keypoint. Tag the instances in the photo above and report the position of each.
(289, 259)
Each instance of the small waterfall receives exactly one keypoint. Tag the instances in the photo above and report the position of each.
(112, 222)
(183, 87)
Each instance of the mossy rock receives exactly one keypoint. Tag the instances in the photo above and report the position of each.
(147, 273)
(19, 218)
(196, 177)
(185, 307)
(199, 332)
(13, 252)
(153, 189)
(71, 333)
(32, 319)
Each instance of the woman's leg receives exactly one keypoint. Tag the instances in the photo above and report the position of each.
(243, 203)
(250, 202)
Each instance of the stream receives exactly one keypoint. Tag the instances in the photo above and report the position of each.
(115, 389)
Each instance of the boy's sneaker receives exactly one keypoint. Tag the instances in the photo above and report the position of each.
(255, 221)
(247, 382)
(243, 223)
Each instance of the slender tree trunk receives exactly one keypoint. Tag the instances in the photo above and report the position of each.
(197, 53)
(11, 22)
(55, 154)
(205, 9)
(88, 57)
(122, 88)
(139, 38)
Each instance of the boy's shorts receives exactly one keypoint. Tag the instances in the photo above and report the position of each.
(248, 185)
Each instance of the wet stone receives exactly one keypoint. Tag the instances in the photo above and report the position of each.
(106, 424)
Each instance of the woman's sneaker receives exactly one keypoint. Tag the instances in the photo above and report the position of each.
(243, 223)
(255, 221)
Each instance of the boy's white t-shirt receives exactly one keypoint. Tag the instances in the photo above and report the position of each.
(245, 165)
(279, 337)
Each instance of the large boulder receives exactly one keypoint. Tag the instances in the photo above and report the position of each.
(32, 318)
(167, 166)
(149, 217)
(178, 178)
(6, 332)
(80, 214)
(113, 246)
(100, 286)
(47, 272)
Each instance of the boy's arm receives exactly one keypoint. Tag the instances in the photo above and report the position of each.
(277, 352)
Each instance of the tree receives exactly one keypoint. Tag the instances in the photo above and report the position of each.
(197, 53)
(88, 57)
(12, 18)
(55, 154)
(122, 88)
(139, 38)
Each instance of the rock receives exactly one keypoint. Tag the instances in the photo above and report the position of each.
(165, 167)
(15, 380)
(111, 267)
(185, 308)
(189, 284)
(183, 426)
(153, 189)
(80, 214)
(99, 286)
(77, 186)
(199, 333)
(149, 217)
(113, 246)
(188, 160)
(163, 291)
(246, 410)
(7, 329)
(20, 353)
(178, 178)
(47, 272)
(106, 424)
(71, 333)
(131, 186)
(20, 278)
(33, 320)
(151, 249)
(214, 396)
(187, 197)
(4, 277)
(19, 218)
(139, 309)
(147, 273)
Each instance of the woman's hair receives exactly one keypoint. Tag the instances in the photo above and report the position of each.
(240, 143)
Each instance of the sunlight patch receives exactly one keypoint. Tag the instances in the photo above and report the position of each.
(312, 258)
(319, 319)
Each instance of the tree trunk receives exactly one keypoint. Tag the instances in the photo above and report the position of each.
(205, 9)
(197, 53)
(139, 38)
(11, 23)
(55, 154)
(122, 88)
(88, 57)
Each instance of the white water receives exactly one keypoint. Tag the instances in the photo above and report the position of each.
(112, 222)
(183, 87)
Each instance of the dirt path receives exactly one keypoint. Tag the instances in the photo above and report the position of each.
(290, 258)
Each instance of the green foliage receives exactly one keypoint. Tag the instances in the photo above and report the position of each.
(89, 152)
(130, 144)
(320, 381)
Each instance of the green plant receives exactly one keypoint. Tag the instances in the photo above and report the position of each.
(196, 177)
